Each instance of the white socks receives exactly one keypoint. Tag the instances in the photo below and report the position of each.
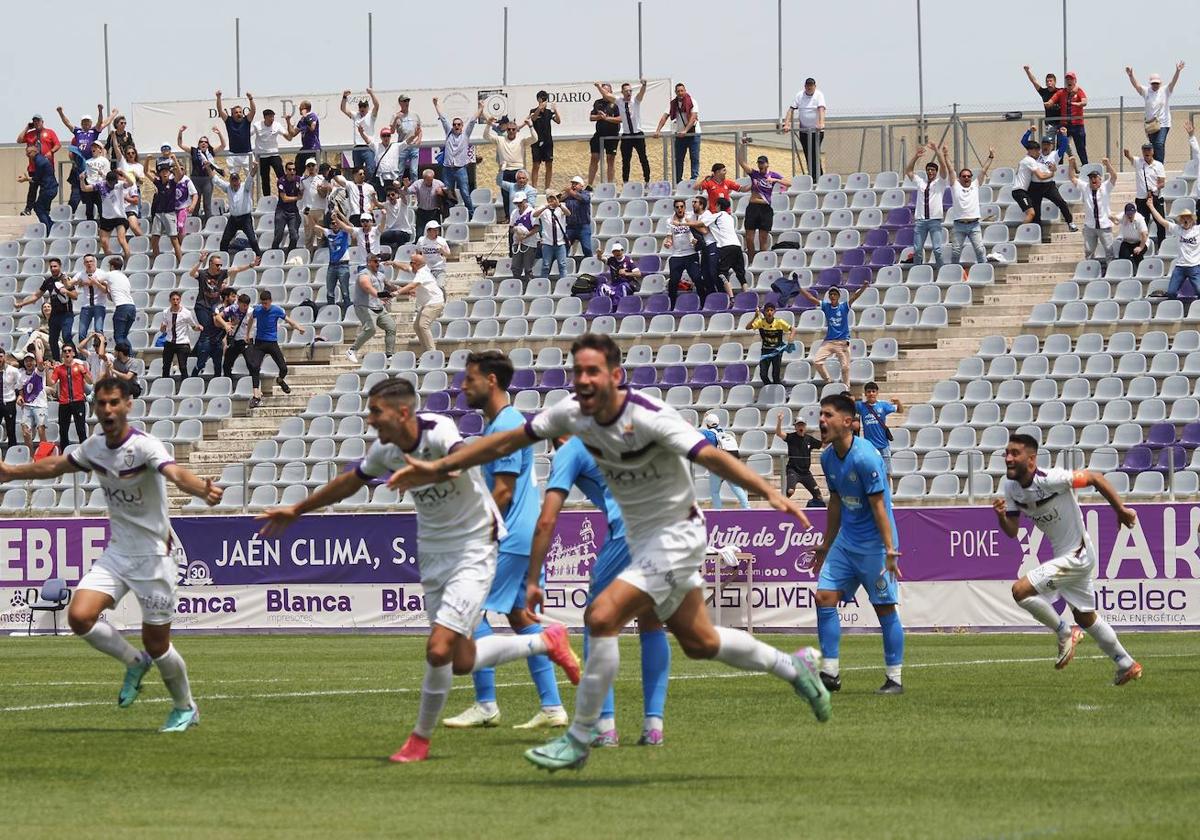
(652, 724)
(1044, 612)
(491, 651)
(893, 673)
(174, 674)
(604, 658)
(1106, 639)
(434, 691)
(741, 650)
(831, 665)
(105, 638)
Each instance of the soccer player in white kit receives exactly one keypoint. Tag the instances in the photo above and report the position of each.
(458, 531)
(133, 468)
(1045, 497)
(642, 446)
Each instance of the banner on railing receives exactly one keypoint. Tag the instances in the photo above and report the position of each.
(359, 571)
(159, 122)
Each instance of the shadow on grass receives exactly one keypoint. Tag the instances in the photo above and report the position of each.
(572, 778)
(78, 730)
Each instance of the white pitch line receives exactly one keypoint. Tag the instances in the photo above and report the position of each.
(343, 692)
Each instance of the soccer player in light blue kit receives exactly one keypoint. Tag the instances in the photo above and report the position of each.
(574, 466)
(861, 545)
(511, 482)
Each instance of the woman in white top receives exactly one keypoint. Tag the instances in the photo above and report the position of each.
(966, 206)
(133, 195)
(1158, 108)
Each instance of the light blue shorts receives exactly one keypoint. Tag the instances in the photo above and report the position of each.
(844, 571)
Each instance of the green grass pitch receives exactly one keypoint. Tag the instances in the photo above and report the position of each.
(988, 742)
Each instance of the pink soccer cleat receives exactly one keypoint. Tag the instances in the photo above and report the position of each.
(558, 648)
(415, 749)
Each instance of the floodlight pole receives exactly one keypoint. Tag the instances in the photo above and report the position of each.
(920, 78)
(641, 73)
(237, 53)
(107, 92)
(504, 70)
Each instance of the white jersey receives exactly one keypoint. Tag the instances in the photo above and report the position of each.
(682, 243)
(134, 489)
(451, 515)
(434, 251)
(1049, 502)
(643, 454)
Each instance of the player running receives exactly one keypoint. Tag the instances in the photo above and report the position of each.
(1045, 497)
(574, 466)
(132, 468)
(458, 527)
(510, 481)
(860, 547)
(640, 444)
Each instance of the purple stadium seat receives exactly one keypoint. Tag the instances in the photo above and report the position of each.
(438, 401)
(644, 377)
(552, 379)
(1165, 456)
(736, 374)
(855, 256)
(687, 302)
(898, 217)
(460, 406)
(746, 301)
(456, 383)
(1190, 437)
(656, 304)
(858, 277)
(716, 302)
(649, 264)
(1137, 459)
(882, 256)
(947, 198)
(904, 238)
(629, 305)
(826, 280)
(599, 305)
(674, 375)
(876, 238)
(1161, 434)
(470, 424)
(523, 380)
(704, 375)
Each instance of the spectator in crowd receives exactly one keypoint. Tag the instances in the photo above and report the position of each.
(337, 238)
(965, 195)
(186, 196)
(435, 249)
(730, 256)
(683, 252)
(59, 291)
(684, 113)
(314, 198)
(177, 323)
(624, 277)
(726, 441)
(397, 228)
(1134, 236)
(1097, 210)
(407, 127)
(760, 214)
(31, 396)
(541, 120)
(113, 191)
(41, 182)
(93, 352)
(607, 118)
(366, 237)
(553, 221)
(1158, 108)
(430, 193)
(1150, 177)
(837, 331)
(1053, 151)
(389, 153)
(361, 194)
(510, 155)
(91, 283)
(1187, 264)
(10, 386)
(235, 319)
(308, 128)
(523, 184)
(456, 153)
(1071, 101)
(70, 380)
(1047, 92)
(46, 142)
(361, 156)
(241, 209)
(120, 293)
(929, 211)
(338, 196)
(164, 218)
(95, 168)
(716, 186)
(267, 316)
(369, 296)
(771, 332)
(1028, 169)
(808, 108)
(119, 139)
(211, 344)
(633, 139)
(287, 207)
(238, 127)
(800, 445)
(211, 279)
(203, 165)
(578, 204)
(428, 299)
(706, 246)
(82, 138)
(266, 134)
(1194, 145)
(872, 414)
(133, 190)
(525, 237)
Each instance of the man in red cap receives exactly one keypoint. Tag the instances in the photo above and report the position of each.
(1072, 100)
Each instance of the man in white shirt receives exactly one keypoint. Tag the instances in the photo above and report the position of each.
(730, 256)
(1097, 211)
(10, 378)
(930, 211)
(360, 194)
(266, 136)
(456, 153)
(314, 198)
(362, 156)
(93, 297)
(683, 252)
(809, 109)
(700, 222)
(428, 298)
(389, 155)
(120, 292)
(1187, 264)
(397, 227)
(1150, 177)
(406, 125)
(965, 194)
(1158, 108)
(510, 155)
(553, 220)
(177, 322)
(1029, 170)
(1134, 236)
(629, 109)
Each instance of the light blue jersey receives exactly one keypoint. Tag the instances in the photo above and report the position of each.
(574, 466)
(859, 475)
(837, 321)
(874, 420)
(521, 516)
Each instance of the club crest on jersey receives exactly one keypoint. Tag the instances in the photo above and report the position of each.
(627, 429)
(852, 477)
(881, 584)
(128, 459)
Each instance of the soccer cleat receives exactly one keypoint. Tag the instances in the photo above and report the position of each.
(651, 738)
(558, 648)
(832, 682)
(181, 719)
(808, 685)
(132, 687)
(352, 356)
(415, 749)
(563, 753)
(546, 720)
(890, 686)
(607, 738)
(1066, 649)
(1124, 675)
(475, 716)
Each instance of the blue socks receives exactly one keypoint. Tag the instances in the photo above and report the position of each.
(484, 678)
(893, 639)
(541, 669)
(829, 631)
(656, 668)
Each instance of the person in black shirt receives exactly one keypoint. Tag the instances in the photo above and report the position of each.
(1053, 112)
(800, 446)
(608, 126)
(287, 210)
(542, 118)
(59, 289)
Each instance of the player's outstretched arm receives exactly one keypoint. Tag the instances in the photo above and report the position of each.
(276, 520)
(883, 524)
(192, 484)
(731, 469)
(1010, 525)
(1126, 516)
(543, 533)
(45, 468)
(479, 451)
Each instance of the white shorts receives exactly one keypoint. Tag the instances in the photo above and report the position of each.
(1070, 576)
(237, 163)
(33, 416)
(164, 224)
(667, 565)
(456, 584)
(151, 578)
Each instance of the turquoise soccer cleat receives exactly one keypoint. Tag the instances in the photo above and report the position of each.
(181, 719)
(808, 682)
(132, 687)
(563, 753)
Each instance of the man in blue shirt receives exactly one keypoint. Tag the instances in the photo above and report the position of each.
(265, 323)
(574, 466)
(511, 482)
(837, 331)
(872, 416)
(337, 274)
(42, 178)
(861, 545)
